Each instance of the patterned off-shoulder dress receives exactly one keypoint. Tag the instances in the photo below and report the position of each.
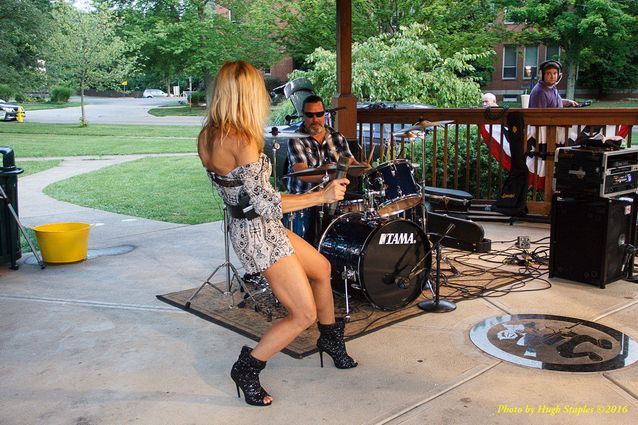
(261, 241)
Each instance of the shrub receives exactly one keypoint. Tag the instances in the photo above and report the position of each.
(61, 94)
(20, 97)
(198, 97)
(5, 92)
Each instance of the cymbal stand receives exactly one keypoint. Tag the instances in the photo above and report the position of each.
(230, 289)
(438, 305)
(275, 148)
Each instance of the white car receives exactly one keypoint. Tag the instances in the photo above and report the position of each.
(154, 93)
(9, 111)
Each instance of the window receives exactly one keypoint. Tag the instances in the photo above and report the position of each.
(530, 64)
(553, 53)
(509, 63)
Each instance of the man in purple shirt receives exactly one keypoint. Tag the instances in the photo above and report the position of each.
(545, 94)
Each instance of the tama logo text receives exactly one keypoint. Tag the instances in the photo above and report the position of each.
(397, 239)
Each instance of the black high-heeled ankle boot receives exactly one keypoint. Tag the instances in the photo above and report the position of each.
(331, 341)
(245, 373)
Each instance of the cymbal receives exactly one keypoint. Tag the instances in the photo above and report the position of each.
(276, 133)
(353, 170)
(421, 126)
(405, 135)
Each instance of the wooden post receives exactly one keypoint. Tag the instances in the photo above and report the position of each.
(346, 120)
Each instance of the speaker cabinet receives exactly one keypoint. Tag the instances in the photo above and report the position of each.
(588, 238)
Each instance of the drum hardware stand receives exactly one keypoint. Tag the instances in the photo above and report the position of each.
(7, 202)
(438, 305)
(371, 212)
(347, 275)
(230, 290)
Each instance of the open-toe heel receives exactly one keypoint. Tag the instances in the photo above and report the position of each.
(245, 374)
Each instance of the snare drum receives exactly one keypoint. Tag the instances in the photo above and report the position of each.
(396, 179)
(352, 205)
(386, 260)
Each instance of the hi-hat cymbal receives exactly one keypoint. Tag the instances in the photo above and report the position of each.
(331, 169)
(277, 133)
(420, 126)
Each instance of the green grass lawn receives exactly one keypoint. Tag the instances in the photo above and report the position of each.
(47, 140)
(178, 111)
(34, 106)
(24, 245)
(32, 167)
(172, 189)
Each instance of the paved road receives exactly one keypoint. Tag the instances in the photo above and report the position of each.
(109, 110)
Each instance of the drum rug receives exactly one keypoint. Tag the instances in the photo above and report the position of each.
(252, 316)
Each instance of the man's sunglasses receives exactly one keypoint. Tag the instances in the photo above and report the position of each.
(315, 114)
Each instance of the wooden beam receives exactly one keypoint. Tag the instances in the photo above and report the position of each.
(346, 118)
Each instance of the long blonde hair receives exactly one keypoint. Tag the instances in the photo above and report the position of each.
(240, 103)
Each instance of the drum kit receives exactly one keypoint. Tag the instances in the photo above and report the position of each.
(376, 241)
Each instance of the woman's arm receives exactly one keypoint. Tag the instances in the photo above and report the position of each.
(333, 192)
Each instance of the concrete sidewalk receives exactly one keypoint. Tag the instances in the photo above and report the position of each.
(88, 343)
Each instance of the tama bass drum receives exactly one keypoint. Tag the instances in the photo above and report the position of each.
(386, 260)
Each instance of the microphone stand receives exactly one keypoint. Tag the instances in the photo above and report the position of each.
(438, 305)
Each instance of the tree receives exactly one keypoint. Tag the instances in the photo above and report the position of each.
(309, 24)
(454, 25)
(576, 26)
(150, 26)
(400, 67)
(23, 31)
(466, 24)
(258, 26)
(612, 65)
(84, 50)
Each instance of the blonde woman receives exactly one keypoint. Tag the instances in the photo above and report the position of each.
(230, 147)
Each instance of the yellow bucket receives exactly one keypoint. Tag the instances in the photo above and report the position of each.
(63, 242)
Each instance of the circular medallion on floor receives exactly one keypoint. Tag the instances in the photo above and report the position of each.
(554, 342)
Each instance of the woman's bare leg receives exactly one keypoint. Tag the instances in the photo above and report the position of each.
(290, 285)
(317, 268)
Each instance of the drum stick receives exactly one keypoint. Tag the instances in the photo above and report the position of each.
(392, 148)
(372, 147)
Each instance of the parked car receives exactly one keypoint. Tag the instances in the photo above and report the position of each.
(154, 93)
(9, 111)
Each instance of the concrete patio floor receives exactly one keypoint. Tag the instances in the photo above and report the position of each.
(88, 343)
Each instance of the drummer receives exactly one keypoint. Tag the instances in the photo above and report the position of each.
(323, 145)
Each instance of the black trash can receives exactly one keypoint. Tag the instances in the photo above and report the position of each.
(10, 250)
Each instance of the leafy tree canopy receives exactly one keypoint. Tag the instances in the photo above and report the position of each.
(579, 27)
(84, 51)
(400, 67)
(24, 26)
(453, 25)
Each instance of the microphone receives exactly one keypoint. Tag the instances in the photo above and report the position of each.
(342, 170)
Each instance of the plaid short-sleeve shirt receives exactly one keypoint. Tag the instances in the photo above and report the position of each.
(308, 151)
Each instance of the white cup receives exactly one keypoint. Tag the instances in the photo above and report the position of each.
(524, 101)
